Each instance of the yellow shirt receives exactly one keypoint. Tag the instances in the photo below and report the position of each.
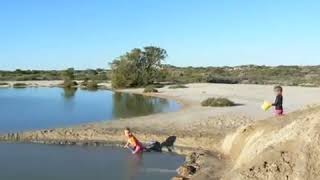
(133, 141)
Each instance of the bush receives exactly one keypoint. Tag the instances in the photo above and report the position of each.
(223, 80)
(20, 85)
(69, 84)
(4, 84)
(92, 85)
(150, 89)
(137, 68)
(217, 102)
(177, 86)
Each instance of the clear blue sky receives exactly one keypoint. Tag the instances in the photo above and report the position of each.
(56, 34)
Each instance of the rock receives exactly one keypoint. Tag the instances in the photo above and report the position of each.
(186, 170)
(192, 158)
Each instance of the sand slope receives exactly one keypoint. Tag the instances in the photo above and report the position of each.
(276, 148)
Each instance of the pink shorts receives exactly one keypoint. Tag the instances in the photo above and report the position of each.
(278, 112)
(138, 149)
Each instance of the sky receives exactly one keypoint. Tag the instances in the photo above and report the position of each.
(57, 34)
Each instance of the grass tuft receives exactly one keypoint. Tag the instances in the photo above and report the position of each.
(217, 102)
(150, 89)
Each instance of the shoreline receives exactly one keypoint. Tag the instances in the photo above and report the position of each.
(46, 83)
(198, 129)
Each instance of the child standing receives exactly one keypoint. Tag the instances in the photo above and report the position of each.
(133, 143)
(279, 101)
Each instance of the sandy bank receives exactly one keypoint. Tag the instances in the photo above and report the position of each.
(35, 83)
(55, 83)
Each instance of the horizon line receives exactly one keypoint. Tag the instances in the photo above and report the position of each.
(222, 66)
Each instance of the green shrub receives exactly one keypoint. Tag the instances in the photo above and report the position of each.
(4, 84)
(20, 85)
(178, 86)
(223, 80)
(217, 102)
(137, 68)
(69, 84)
(150, 89)
(92, 85)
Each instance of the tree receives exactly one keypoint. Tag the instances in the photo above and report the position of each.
(68, 77)
(153, 58)
(137, 67)
(68, 74)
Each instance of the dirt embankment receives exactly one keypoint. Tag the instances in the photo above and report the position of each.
(276, 148)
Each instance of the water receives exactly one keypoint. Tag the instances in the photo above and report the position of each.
(50, 162)
(38, 108)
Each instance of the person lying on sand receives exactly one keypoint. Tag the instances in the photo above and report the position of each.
(133, 143)
(279, 100)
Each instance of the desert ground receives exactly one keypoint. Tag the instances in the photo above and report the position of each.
(240, 142)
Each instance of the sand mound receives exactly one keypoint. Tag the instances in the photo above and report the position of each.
(278, 148)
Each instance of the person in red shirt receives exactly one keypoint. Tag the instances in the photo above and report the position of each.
(132, 143)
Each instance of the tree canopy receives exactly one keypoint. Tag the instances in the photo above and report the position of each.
(139, 67)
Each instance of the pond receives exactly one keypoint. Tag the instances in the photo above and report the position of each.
(52, 162)
(37, 108)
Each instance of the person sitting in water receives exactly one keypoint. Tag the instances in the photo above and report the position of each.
(133, 143)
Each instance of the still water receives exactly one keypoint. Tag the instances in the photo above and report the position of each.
(50, 162)
(38, 108)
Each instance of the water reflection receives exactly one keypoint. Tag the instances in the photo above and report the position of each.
(69, 93)
(134, 164)
(81, 163)
(38, 108)
(129, 105)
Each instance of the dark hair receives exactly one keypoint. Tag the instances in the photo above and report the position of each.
(127, 129)
(278, 88)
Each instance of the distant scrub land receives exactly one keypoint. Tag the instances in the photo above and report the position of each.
(308, 76)
(29, 75)
(145, 66)
(247, 74)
